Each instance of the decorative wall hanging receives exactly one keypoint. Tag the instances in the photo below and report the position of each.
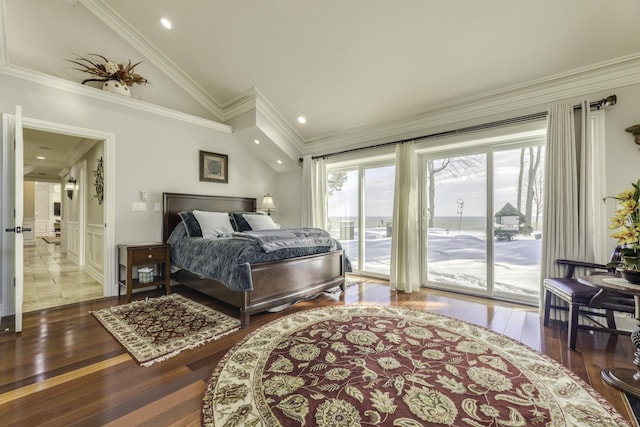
(214, 167)
(99, 181)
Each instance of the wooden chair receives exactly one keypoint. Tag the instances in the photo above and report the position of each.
(581, 299)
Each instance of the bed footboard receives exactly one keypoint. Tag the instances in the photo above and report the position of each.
(276, 283)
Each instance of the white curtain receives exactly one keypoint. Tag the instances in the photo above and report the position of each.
(405, 262)
(314, 193)
(567, 227)
(587, 198)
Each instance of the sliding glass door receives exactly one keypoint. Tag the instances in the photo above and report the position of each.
(483, 220)
(360, 211)
(456, 221)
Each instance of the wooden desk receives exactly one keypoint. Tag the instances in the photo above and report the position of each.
(625, 379)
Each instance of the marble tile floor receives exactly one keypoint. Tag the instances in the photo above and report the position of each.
(52, 280)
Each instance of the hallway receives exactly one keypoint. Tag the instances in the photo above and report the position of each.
(51, 279)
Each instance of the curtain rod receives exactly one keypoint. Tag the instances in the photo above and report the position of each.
(605, 102)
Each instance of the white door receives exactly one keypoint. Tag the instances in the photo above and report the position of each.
(14, 149)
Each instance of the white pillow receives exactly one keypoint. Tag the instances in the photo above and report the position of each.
(213, 224)
(260, 222)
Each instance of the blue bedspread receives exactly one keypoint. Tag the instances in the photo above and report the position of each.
(272, 240)
(228, 259)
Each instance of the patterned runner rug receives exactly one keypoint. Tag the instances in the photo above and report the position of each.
(156, 329)
(392, 366)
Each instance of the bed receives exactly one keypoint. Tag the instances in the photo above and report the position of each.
(275, 283)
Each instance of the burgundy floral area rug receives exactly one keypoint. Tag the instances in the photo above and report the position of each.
(391, 366)
(156, 329)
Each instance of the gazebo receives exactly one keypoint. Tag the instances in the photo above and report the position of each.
(507, 222)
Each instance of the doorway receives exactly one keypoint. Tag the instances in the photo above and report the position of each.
(105, 258)
(57, 201)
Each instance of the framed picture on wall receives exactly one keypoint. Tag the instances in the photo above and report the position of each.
(214, 167)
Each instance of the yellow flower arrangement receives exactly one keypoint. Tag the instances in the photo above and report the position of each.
(107, 70)
(627, 223)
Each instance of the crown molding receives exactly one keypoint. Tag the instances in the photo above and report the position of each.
(239, 105)
(253, 99)
(608, 75)
(79, 150)
(120, 26)
(275, 119)
(91, 92)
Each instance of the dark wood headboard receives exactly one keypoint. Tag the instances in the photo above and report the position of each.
(177, 202)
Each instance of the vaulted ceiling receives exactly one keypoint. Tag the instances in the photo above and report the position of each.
(356, 69)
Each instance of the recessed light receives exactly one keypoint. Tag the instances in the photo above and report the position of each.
(302, 120)
(41, 158)
(166, 23)
(256, 141)
(279, 162)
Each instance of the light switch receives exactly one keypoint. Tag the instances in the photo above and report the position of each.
(138, 206)
(157, 207)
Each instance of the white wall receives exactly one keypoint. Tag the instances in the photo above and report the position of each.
(288, 198)
(622, 154)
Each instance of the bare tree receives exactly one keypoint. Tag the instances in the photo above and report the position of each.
(534, 164)
(432, 170)
(520, 176)
(335, 181)
(454, 166)
(537, 199)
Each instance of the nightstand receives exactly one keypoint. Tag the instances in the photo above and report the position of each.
(140, 255)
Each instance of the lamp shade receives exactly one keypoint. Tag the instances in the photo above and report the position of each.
(267, 203)
(71, 184)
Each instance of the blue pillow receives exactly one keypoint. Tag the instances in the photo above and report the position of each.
(232, 220)
(191, 224)
(241, 224)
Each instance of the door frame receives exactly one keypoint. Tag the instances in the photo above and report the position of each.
(109, 253)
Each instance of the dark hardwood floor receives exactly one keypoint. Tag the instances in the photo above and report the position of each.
(66, 370)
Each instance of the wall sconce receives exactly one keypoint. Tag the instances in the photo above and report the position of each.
(267, 203)
(635, 131)
(70, 186)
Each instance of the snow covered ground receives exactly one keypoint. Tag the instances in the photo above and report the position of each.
(460, 259)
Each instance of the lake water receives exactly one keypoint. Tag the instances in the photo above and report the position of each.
(475, 223)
